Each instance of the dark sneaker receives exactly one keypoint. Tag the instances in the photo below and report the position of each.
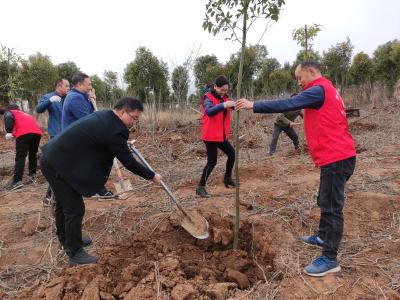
(47, 200)
(313, 240)
(86, 242)
(106, 194)
(32, 179)
(322, 266)
(16, 185)
(82, 258)
(229, 182)
(201, 191)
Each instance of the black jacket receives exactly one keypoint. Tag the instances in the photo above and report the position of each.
(83, 153)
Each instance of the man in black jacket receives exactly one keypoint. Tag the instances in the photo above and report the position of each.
(78, 162)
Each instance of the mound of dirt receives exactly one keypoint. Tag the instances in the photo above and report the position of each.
(167, 263)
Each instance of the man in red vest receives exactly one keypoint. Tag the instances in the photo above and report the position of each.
(27, 135)
(332, 149)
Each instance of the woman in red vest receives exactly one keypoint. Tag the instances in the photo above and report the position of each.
(215, 132)
(27, 135)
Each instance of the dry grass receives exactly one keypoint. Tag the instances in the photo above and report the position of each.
(169, 119)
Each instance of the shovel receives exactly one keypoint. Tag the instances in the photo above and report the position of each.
(192, 222)
(123, 185)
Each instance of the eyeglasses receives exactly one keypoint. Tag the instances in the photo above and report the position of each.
(134, 118)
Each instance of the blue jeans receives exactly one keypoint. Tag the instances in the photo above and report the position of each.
(333, 178)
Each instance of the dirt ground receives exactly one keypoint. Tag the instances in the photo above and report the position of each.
(145, 254)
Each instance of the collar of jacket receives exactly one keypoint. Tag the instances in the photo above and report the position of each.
(79, 92)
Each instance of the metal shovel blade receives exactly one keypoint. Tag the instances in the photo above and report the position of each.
(196, 225)
(192, 222)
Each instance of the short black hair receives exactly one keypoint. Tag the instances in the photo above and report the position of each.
(221, 80)
(78, 77)
(59, 81)
(311, 64)
(129, 104)
(13, 106)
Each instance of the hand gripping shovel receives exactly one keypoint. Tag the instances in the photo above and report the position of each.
(192, 222)
(123, 185)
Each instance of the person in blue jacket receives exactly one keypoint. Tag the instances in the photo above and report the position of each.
(53, 103)
(78, 105)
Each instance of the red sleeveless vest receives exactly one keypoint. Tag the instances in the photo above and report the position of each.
(326, 128)
(214, 127)
(24, 124)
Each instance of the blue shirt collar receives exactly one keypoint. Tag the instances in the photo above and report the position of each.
(79, 92)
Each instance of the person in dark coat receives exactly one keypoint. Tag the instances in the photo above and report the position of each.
(285, 122)
(78, 161)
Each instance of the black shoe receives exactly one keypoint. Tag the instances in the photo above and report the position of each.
(47, 201)
(106, 194)
(16, 185)
(81, 257)
(229, 182)
(32, 179)
(201, 191)
(86, 242)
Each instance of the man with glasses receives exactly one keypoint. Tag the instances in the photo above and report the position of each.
(78, 161)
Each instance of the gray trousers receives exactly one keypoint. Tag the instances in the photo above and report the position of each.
(289, 132)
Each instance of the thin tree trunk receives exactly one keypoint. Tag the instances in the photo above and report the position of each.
(238, 90)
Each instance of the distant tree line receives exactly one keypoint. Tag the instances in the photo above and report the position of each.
(148, 77)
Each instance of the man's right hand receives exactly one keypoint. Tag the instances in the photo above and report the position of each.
(243, 104)
(9, 136)
(157, 178)
(55, 98)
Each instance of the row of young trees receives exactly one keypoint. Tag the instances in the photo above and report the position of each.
(31, 78)
(264, 75)
(148, 77)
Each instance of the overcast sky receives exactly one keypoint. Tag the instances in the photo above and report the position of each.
(103, 34)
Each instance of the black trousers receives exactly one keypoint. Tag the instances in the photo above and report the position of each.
(333, 178)
(27, 144)
(69, 212)
(276, 133)
(212, 155)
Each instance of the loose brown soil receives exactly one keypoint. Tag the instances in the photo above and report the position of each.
(145, 254)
